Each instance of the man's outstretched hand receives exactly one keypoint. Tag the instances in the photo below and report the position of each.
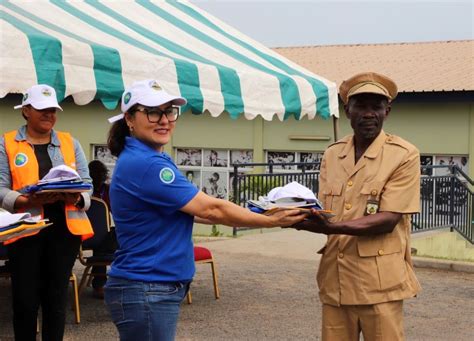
(316, 222)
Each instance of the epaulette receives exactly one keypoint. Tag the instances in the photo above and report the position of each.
(344, 140)
(397, 140)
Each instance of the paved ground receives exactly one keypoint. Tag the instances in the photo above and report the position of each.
(268, 292)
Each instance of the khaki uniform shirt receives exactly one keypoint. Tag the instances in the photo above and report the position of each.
(369, 269)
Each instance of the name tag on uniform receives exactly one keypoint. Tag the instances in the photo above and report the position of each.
(372, 207)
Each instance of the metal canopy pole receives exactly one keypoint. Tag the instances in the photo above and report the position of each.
(335, 123)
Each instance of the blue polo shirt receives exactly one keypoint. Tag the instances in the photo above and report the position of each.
(154, 237)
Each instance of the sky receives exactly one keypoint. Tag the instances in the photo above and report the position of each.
(277, 23)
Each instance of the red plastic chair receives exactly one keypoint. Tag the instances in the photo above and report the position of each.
(204, 255)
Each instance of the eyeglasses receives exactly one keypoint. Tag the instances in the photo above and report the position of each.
(154, 115)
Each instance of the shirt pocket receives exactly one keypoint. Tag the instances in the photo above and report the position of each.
(389, 260)
(372, 189)
(332, 195)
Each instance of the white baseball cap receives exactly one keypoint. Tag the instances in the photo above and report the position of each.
(148, 93)
(40, 97)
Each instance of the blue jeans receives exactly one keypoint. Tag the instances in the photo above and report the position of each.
(144, 311)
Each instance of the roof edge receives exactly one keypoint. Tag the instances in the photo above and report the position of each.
(376, 44)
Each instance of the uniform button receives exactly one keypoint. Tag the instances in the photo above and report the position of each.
(374, 192)
(350, 183)
(341, 255)
(347, 206)
(381, 253)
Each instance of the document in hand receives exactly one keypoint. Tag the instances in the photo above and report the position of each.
(60, 173)
(22, 230)
(7, 218)
(14, 225)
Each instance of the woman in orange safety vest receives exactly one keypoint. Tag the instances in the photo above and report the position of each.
(41, 264)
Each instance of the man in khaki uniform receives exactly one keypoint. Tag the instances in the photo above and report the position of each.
(371, 181)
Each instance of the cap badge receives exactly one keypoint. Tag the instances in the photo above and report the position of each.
(46, 92)
(127, 97)
(21, 159)
(154, 85)
(167, 175)
(25, 97)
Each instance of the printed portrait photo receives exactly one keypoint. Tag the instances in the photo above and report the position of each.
(102, 153)
(310, 157)
(241, 156)
(281, 157)
(426, 160)
(188, 157)
(215, 158)
(451, 160)
(215, 184)
(193, 176)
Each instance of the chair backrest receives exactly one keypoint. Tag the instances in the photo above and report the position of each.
(99, 217)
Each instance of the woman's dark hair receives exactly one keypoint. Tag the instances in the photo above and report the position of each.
(118, 132)
(98, 172)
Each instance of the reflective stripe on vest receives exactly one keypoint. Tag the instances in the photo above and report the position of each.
(24, 171)
(75, 222)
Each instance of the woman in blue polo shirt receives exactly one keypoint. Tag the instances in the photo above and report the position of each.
(154, 209)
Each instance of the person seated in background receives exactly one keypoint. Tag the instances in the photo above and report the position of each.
(99, 174)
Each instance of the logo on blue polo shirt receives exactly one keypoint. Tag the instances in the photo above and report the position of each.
(21, 159)
(167, 175)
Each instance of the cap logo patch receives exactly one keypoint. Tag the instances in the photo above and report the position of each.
(21, 159)
(25, 97)
(127, 97)
(154, 85)
(167, 175)
(46, 92)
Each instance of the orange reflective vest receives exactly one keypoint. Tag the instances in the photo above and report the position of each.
(24, 171)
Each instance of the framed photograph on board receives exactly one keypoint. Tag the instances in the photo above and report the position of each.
(215, 184)
(215, 158)
(188, 157)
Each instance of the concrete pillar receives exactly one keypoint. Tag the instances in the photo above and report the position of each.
(258, 152)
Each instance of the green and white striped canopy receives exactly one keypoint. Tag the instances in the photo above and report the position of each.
(91, 50)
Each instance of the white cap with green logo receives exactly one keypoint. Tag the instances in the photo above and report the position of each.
(148, 93)
(40, 97)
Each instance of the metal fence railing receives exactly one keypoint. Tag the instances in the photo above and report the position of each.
(446, 200)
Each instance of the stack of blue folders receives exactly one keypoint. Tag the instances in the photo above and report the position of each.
(72, 186)
(60, 179)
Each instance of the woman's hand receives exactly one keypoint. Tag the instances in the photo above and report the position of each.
(36, 199)
(287, 217)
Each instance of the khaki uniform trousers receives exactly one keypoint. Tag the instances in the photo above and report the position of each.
(378, 322)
